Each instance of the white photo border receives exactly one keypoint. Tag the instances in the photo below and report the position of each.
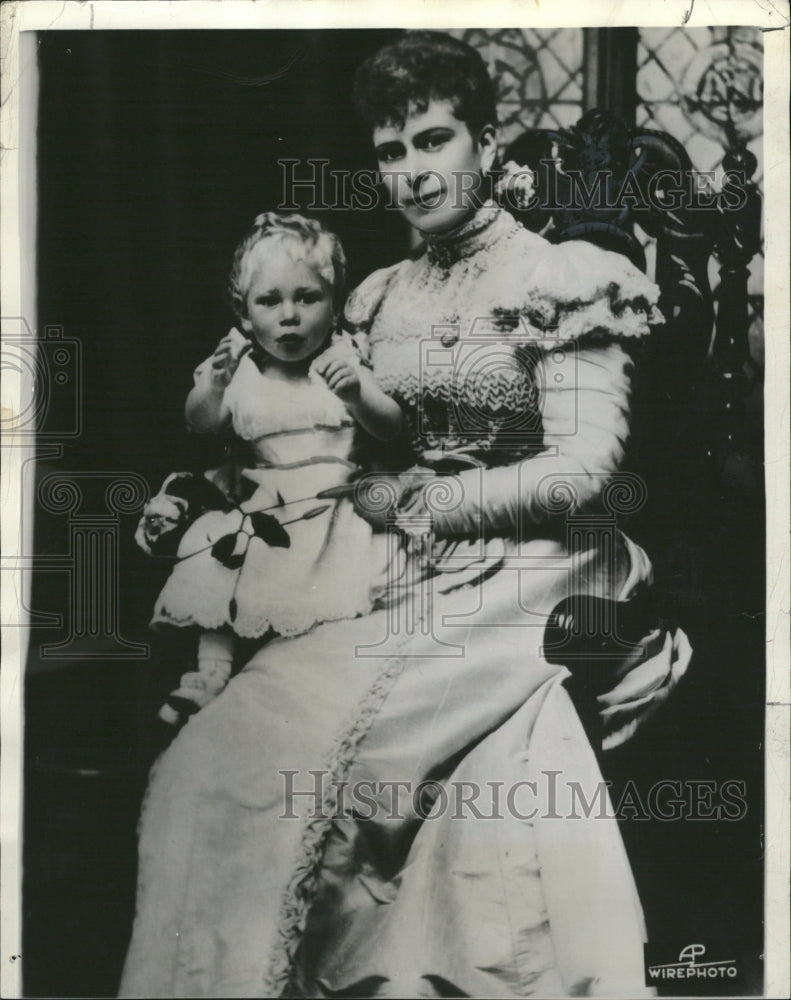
(17, 259)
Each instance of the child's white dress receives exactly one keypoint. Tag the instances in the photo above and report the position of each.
(324, 563)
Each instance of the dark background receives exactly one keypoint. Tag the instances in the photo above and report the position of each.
(155, 151)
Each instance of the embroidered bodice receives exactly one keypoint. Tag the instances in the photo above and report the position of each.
(456, 335)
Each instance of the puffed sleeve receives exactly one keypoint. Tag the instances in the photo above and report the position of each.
(364, 302)
(593, 301)
(577, 289)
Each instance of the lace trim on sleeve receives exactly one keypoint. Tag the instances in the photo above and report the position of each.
(578, 289)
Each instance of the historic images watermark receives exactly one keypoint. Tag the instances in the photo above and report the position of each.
(314, 185)
(550, 795)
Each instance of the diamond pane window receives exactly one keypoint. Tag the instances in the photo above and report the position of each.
(704, 86)
(539, 75)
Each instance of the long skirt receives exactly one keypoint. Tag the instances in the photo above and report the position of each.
(403, 804)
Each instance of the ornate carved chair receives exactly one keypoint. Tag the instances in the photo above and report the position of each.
(691, 444)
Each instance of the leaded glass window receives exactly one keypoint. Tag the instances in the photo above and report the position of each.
(539, 74)
(704, 86)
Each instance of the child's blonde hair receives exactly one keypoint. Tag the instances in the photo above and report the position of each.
(312, 243)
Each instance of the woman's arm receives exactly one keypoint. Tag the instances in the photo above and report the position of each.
(585, 421)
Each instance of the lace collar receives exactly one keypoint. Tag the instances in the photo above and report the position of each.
(486, 226)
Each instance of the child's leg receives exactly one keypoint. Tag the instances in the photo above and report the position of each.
(215, 661)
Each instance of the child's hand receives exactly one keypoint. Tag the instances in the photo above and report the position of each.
(341, 377)
(227, 355)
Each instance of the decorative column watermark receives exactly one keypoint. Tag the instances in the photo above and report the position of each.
(92, 561)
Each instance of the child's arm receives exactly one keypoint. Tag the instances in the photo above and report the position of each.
(205, 408)
(376, 412)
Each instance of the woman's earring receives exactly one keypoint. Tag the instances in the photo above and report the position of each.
(487, 140)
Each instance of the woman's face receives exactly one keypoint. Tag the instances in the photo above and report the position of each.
(432, 167)
(289, 305)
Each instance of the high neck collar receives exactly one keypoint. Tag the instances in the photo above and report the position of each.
(483, 228)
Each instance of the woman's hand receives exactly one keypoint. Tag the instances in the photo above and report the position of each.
(387, 498)
(647, 679)
(225, 360)
(413, 513)
(376, 496)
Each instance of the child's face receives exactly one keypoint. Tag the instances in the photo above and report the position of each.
(289, 305)
(432, 166)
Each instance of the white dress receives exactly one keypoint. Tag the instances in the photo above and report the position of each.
(248, 890)
(321, 567)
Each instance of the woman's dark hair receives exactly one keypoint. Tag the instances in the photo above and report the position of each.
(420, 66)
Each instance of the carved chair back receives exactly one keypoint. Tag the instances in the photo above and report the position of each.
(596, 181)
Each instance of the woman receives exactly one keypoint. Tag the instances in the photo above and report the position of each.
(381, 806)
